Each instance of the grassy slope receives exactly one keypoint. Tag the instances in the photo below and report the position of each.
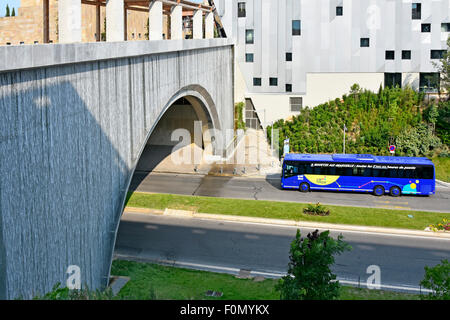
(442, 168)
(168, 283)
(288, 210)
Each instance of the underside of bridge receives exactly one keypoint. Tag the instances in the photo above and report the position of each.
(177, 144)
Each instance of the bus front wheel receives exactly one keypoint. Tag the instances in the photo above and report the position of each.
(395, 192)
(304, 187)
(378, 191)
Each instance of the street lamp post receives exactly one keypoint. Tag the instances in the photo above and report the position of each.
(345, 129)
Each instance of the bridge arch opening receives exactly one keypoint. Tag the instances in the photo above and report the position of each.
(181, 141)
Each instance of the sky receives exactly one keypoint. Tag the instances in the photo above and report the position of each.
(16, 4)
(11, 3)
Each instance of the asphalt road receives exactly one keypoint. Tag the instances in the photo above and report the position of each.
(226, 246)
(269, 189)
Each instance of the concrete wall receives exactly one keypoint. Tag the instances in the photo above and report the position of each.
(75, 119)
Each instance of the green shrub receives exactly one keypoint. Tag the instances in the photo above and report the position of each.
(374, 120)
(59, 293)
(437, 279)
(316, 210)
(309, 276)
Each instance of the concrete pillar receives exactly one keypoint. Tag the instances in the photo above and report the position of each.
(115, 24)
(176, 23)
(69, 21)
(197, 32)
(209, 25)
(156, 20)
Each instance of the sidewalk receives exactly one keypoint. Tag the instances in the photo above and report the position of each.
(289, 223)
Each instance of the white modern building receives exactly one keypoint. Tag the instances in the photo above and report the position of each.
(294, 53)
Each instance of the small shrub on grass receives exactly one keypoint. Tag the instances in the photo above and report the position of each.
(59, 293)
(309, 275)
(437, 279)
(442, 226)
(316, 210)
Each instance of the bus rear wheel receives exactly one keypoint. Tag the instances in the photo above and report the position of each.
(378, 191)
(304, 187)
(395, 192)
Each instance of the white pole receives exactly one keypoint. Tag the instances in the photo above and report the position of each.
(345, 128)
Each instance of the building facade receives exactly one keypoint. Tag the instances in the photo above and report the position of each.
(28, 25)
(297, 53)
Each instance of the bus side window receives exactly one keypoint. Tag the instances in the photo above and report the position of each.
(332, 171)
(393, 173)
(367, 172)
(348, 172)
(355, 172)
(309, 169)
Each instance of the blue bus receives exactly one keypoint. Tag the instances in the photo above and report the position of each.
(360, 173)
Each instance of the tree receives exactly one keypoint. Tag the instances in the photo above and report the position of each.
(437, 279)
(443, 67)
(7, 11)
(13, 13)
(309, 276)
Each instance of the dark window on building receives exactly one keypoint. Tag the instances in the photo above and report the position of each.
(390, 55)
(296, 104)
(296, 28)
(288, 56)
(426, 27)
(365, 42)
(445, 27)
(288, 87)
(36, 42)
(249, 57)
(339, 11)
(429, 82)
(257, 82)
(273, 82)
(416, 11)
(437, 54)
(406, 54)
(241, 10)
(249, 36)
(392, 80)
(8, 43)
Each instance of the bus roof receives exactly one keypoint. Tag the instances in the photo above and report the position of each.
(357, 158)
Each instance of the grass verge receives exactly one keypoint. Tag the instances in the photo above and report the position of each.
(442, 168)
(288, 210)
(150, 281)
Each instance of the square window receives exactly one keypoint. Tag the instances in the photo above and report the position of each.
(273, 82)
(365, 42)
(249, 57)
(390, 55)
(339, 11)
(241, 10)
(426, 27)
(288, 56)
(288, 87)
(445, 27)
(416, 11)
(296, 104)
(437, 54)
(296, 28)
(257, 82)
(406, 54)
(249, 36)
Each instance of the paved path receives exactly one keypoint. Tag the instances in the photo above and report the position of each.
(269, 189)
(230, 246)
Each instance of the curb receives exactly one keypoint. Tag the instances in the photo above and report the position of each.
(289, 223)
(446, 184)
